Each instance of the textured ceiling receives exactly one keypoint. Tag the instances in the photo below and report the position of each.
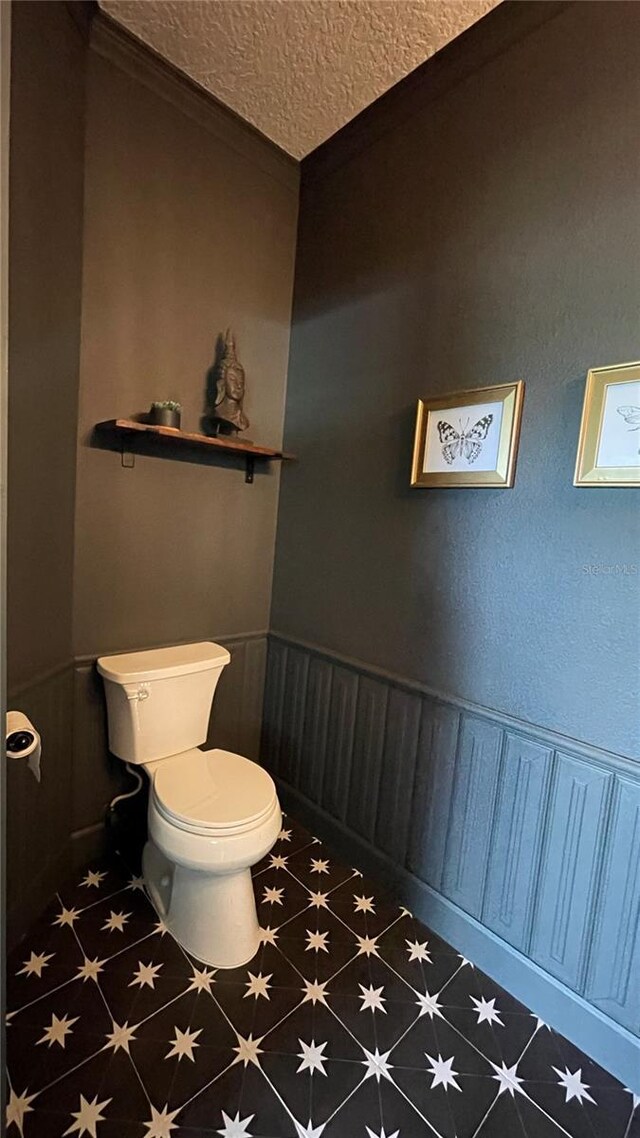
(297, 69)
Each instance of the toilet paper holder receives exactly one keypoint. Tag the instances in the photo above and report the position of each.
(19, 743)
(22, 741)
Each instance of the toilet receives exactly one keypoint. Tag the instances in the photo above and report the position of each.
(212, 814)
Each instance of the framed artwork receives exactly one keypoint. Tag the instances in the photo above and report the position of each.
(609, 444)
(468, 438)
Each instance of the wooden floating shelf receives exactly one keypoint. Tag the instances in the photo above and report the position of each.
(127, 430)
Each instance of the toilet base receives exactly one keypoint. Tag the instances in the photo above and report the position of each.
(212, 916)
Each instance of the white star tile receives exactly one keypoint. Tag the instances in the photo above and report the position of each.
(309, 1131)
(318, 900)
(443, 1073)
(272, 896)
(17, 1107)
(146, 975)
(377, 1065)
(201, 980)
(90, 970)
(367, 946)
(372, 998)
(312, 1057)
(363, 904)
(34, 965)
(314, 992)
(248, 1050)
(418, 951)
(67, 917)
(486, 1011)
(268, 935)
(115, 922)
(258, 986)
(161, 1123)
(508, 1079)
(313, 1061)
(573, 1086)
(88, 1117)
(316, 941)
(235, 1127)
(540, 1024)
(93, 878)
(284, 836)
(121, 1036)
(429, 1005)
(58, 1030)
(183, 1044)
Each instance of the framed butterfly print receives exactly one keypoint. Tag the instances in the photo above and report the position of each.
(468, 438)
(609, 445)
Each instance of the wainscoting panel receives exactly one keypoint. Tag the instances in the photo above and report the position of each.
(398, 773)
(366, 765)
(509, 837)
(295, 693)
(97, 775)
(433, 790)
(342, 718)
(273, 714)
(517, 833)
(614, 978)
(316, 726)
(471, 814)
(39, 814)
(249, 728)
(568, 873)
(237, 705)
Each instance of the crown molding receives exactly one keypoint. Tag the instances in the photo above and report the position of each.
(82, 13)
(112, 42)
(485, 40)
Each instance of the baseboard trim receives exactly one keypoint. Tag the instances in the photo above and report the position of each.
(594, 1033)
(87, 843)
(21, 916)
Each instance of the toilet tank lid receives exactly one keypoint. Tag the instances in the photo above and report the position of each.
(162, 663)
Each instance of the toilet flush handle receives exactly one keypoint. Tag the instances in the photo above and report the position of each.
(138, 694)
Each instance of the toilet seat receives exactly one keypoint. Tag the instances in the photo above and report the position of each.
(214, 793)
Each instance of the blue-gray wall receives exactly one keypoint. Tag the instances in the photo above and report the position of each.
(490, 235)
(452, 686)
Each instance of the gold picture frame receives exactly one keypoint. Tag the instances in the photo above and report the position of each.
(610, 428)
(475, 454)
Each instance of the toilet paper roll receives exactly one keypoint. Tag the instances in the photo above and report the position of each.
(23, 741)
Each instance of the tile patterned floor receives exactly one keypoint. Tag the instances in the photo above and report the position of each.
(352, 1021)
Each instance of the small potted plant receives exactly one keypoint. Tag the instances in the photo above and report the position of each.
(166, 414)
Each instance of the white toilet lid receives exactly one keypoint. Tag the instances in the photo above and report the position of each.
(213, 790)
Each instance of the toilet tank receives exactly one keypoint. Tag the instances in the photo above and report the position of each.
(159, 702)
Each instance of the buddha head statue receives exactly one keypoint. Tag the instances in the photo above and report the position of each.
(230, 387)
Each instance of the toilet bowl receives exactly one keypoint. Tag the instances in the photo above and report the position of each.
(212, 814)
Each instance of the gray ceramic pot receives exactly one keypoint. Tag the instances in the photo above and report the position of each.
(163, 417)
